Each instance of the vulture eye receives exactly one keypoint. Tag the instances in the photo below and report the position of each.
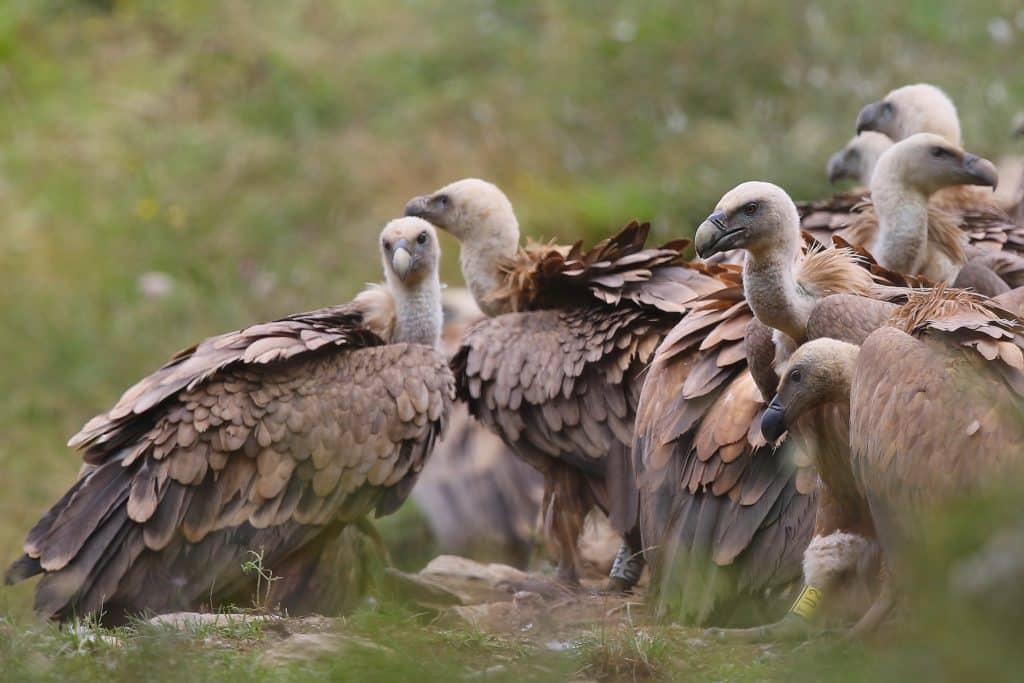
(422, 238)
(939, 152)
(387, 245)
(443, 200)
(887, 107)
(795, 376)
(750, 208)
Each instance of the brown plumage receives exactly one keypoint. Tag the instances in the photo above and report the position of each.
(948, 359)
(480, 500)
(782, 292)
(723, 517)
(269, 439)
(556, 371)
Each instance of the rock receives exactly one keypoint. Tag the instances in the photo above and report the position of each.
(193, 620)
(473, 582)
(306, 647)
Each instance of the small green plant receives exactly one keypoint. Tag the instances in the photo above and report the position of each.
(624, 653)
(264, 578)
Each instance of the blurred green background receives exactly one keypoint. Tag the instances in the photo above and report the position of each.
(175, 168)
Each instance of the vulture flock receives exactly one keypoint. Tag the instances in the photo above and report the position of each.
(784, 409)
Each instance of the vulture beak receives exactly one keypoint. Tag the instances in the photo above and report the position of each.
(417, 206)
(401, 259)
(773, 422)
(714, 235)
(835, 168)
(980, 171)
(869, 118)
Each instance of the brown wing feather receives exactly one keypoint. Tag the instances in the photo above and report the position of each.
(202, 458)
(619, 268)
(960, 371)
(722, 515)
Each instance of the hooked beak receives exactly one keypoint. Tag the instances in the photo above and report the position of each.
(980, 171)
(417, 206)
(869, 118)
(773, 422)
(714, 236)
(836, 168)
(401, 259)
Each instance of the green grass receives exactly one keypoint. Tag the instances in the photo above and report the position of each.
(252, 150)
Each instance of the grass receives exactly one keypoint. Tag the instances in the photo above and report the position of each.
(243, 157)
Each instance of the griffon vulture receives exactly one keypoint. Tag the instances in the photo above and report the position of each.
(936, 406)
(710, 487)
(556, 370)
(906, 233)
(801, 298)
(269, 439)
(924, 108)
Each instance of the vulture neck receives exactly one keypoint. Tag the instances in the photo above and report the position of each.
(774, 294)
(418, 316)
(481, 258)
(902, 211)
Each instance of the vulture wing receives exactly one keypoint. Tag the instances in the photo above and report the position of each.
(936, 403)
(262, 439)
(722, 515)
(824, 217)
(558, 379)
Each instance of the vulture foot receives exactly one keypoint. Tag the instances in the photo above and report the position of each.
(875, 615)
(626, 571)
(790, 627)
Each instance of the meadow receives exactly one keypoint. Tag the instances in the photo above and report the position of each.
(173, 169)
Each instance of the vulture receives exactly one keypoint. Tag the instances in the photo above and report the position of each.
(948, 359)
(906, 111)
(479, 499)
(856, 161)
(924, 108)
(822, 293)
(556, 369)
(267, 440)
(907, 233)
(710, 487)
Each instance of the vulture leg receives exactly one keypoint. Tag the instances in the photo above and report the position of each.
(876, 614)
(567, 502)
(628, 565)
(368, 529)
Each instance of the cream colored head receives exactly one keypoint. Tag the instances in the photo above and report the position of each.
(480, 216)
(410, 252)
(756, 216)
(818, 373)
(470, 209)
(918, 108)
(857, 159)
(925, 163)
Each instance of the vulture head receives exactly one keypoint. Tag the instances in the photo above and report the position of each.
(756, 216)
(474, 211)
(410, 252)
(857, 159)
(818, 373)
(918, 108)
(926, 163)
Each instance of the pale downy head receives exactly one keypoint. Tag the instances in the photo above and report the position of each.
(818, 373)
(410, 253)
(471, 209)
(926, 163)
(857, 159)
(480, 216)
(756, 216)
(918, 108)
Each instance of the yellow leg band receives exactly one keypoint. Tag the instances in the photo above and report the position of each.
(807, 603)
